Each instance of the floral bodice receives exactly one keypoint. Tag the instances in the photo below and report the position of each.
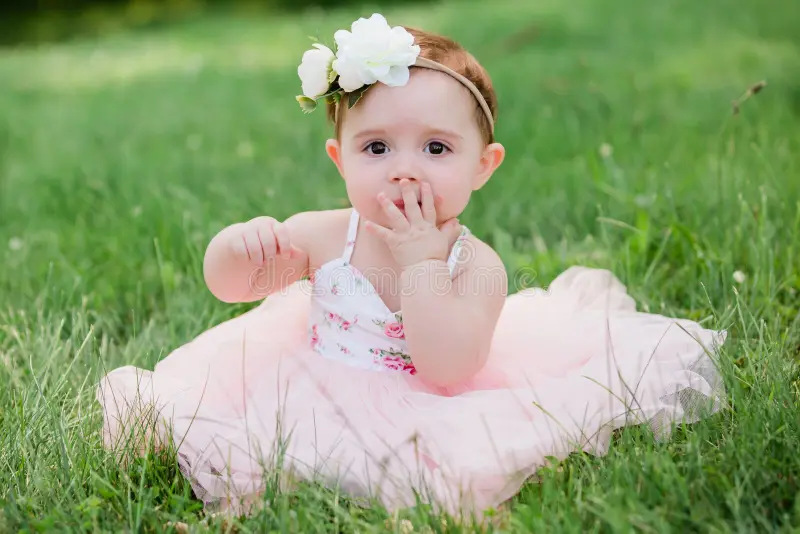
(349, 321)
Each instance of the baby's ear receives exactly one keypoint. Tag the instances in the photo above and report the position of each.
(334, 150)
(493, 155)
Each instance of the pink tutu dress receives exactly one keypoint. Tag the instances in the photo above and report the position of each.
(318, 377)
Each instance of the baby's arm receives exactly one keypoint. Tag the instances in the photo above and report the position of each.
(449, 326)
(235, 273)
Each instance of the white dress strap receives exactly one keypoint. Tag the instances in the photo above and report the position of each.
(352, 230)
(458, 247)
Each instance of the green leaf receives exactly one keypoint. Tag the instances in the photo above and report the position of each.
(306, 104)
(356, 95)
(333, 98)
(332, 75)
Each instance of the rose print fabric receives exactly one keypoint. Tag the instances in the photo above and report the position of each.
(350, 323)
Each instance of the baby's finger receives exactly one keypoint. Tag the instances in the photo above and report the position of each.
(398, 220)
(282, 237)
(254, 251)
(451, 228)
(268, 243)
(410, 201)
(266, 237)
(378, 230)
(457, 228)
(428, 208)
(239, 248)
(297, 253)
(454, 230)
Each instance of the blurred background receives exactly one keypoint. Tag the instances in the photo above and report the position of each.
(54, 20)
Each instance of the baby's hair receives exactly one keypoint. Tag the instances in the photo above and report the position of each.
(449, 53)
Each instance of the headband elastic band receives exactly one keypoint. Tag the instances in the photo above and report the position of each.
(428, 64)
(433, 65)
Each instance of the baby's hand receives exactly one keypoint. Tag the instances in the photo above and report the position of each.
(414, 237)
(261, 239)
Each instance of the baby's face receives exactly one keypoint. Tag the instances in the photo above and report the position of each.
(425, 131)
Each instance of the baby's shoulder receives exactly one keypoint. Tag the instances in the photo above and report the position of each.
(478, 260)
(321, 234)
(478, 253)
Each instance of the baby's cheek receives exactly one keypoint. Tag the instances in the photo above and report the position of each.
(362, 185)
(460, 183)
(454, 202)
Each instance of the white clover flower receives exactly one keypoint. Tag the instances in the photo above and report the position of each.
(373, 52)
(739, 277)
(314, 70)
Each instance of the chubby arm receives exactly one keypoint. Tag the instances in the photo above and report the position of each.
(449, 324)
(248, 261)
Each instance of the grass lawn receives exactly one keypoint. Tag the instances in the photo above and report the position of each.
(121, 158)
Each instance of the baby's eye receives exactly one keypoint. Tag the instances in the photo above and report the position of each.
(376, 148)
(436, 148)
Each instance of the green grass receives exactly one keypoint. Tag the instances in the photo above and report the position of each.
(119, 159)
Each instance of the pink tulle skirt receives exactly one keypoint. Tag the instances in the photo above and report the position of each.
(568, 365)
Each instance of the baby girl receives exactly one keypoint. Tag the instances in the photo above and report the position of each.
(386, 358)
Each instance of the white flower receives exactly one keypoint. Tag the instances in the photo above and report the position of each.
(373, 52)
(314, 69)
(739, 277)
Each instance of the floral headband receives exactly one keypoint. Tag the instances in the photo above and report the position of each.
(372, 52)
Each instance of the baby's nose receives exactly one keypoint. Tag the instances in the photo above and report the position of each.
(400, 177)
(406, 166)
